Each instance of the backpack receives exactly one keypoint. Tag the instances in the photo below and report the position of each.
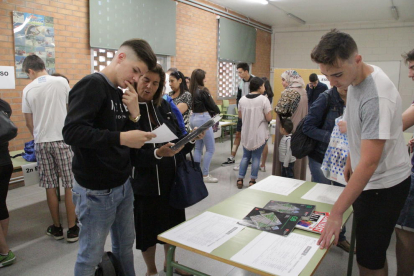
(288, 103)
(301, 144)
(109, 266)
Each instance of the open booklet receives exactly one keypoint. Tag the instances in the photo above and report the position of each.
(192, 135)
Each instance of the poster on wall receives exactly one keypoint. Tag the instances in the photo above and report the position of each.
(33, 34)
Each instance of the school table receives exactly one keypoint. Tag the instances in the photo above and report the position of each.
(229, 125)
(238, 206)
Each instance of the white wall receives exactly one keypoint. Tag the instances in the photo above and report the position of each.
(291, 47)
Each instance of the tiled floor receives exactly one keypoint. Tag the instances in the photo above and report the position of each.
(38, 254)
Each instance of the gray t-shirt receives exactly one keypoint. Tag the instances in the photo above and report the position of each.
(374, 112)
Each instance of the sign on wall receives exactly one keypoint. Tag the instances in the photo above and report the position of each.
(33, 34)
(7, 77)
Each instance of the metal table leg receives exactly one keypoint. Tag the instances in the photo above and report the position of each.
(351, 249)
(171, 264)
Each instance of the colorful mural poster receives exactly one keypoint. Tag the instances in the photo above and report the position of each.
(33, 34)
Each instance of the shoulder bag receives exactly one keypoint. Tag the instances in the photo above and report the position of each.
(7, 130)
(188, 187)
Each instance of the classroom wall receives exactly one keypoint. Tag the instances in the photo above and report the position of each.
(71, 19)
(376, 42)
(196, 46)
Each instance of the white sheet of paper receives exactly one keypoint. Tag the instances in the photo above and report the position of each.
(164, 134)
(205, 232)
(31, 174)
(324, 193)
(275, 254)
(277, 185)
(7, 80)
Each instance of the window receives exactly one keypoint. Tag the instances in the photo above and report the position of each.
(103, 57)
(228, 80)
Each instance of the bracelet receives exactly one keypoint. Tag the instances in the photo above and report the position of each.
(156, 156)
(192, 142)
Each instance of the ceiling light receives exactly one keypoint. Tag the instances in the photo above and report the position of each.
(301, 21)
(394, 12)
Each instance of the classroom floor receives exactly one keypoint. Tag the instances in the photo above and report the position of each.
(39, 254)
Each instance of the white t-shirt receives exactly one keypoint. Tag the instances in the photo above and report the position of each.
(374, 112)
(46, 98)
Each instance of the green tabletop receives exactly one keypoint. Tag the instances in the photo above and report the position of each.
(239, 205)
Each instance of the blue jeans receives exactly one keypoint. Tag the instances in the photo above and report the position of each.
(406, 219)
(196, 120)
(319, 177)
(254, 155)
(100, 212)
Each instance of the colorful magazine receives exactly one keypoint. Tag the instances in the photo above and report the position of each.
(304, 211)
(270, 221)
(316, 222)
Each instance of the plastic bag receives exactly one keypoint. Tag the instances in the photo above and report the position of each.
(335, 156)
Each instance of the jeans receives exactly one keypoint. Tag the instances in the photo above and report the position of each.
(196, 120)
(319, 177)
(100, 212)
(254, 155)
(287, 172)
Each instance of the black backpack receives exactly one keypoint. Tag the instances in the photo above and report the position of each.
(109, 266)
(301, 144)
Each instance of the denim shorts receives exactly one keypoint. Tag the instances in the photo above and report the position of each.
(406, 219)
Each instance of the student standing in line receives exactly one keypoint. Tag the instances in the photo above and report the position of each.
(180, 95)
(287, 161)
(314, 88)
(269, 94)
(255, 112)
(101, 132)
(243, 89)
(44, 104)
(7, 257)
(404, 229)
(377, 169)
(319, 125)
(203, 106)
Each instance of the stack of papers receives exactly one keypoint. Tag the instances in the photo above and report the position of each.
(278, 185)
(324, 193)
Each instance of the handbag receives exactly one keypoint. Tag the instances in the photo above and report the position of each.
(188, 187)
(109, 266)
(7, 130)
(301, 144)
(335, 156)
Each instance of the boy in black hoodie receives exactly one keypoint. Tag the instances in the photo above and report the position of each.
(101, 127)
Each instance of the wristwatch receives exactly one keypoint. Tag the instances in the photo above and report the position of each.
(136, 119)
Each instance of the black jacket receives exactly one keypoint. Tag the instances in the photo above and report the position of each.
(95, 118)
(203, 102)
(152, 176)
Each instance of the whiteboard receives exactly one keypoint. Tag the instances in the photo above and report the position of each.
(391, 68)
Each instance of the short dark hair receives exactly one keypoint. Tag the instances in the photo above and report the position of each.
(408, 56)
(143, 51)
(313, 77)
(178, 75)
(287, 125)
(334, 46)
(33, 62)
(255, 84)
(60, 75)
(244, 66)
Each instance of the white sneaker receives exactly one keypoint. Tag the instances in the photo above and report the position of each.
(236, 168)
(262, 169)
(210, 179)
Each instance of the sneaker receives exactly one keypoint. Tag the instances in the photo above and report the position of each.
(229, 161)
(73, 234)
(56, 232)
(210, 179)
(236, 168)
(9, 259)
(262, 169)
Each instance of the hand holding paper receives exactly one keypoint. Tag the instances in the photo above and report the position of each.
(162, 134)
